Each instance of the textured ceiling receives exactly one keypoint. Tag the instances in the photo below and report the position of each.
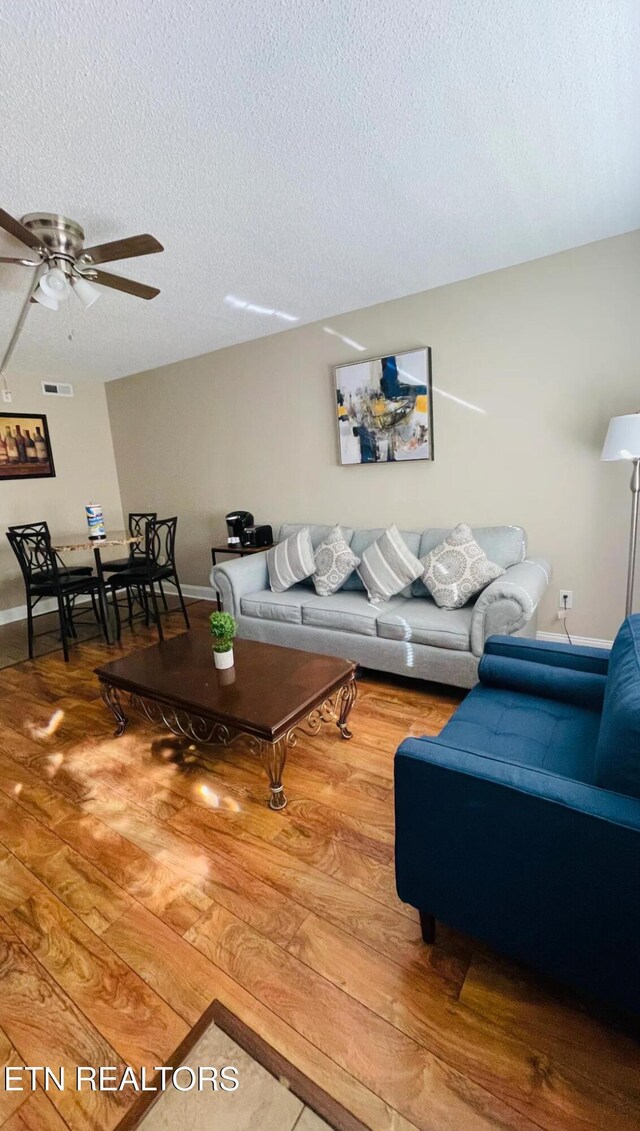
(306, 156)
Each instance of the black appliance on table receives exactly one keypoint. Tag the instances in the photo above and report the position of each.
(237, 521)
(257, 536)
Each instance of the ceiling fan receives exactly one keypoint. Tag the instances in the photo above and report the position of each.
(63, 266)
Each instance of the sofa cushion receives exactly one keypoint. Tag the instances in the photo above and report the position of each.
(346, 612)
(362, 539)
(618, 756)
(290, 561)
(268, 605)
(528, 730)
(504, 545)
(422, 622)
(458, 569)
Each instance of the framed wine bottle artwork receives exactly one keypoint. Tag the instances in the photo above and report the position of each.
(25, 446)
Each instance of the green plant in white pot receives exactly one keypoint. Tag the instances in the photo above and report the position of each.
(223, 629)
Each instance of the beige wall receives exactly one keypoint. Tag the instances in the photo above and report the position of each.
(548, 351)
(85, 471)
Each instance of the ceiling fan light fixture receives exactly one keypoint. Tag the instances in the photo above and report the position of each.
(43, 298)
(54, 284)
(58, 244)
(85, 291)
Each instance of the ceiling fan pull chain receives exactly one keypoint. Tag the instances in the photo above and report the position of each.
(72, 332)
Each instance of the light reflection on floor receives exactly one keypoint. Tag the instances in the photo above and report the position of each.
(119, 776)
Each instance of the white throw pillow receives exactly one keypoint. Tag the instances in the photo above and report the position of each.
(291, 561)
(335, 562)
(457, 569)
(388, 566)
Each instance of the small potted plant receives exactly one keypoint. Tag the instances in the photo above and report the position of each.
(223, 629)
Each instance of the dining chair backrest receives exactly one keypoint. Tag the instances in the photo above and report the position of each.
(137, 527)
(31, 543)
(160, 543)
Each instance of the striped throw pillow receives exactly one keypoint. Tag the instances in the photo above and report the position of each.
(388, 566)
(291, 561)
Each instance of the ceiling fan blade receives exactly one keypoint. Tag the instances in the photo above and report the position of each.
(18, 230)
(121, 249)
(106, 279)
(22, 262)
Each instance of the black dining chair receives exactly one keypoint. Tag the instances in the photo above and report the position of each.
(63, 569)
(137, 524)
(45, 576)
(159, 565)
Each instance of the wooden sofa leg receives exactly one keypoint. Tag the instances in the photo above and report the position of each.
(428, 927)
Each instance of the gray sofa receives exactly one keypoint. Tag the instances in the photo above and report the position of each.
(409, 634)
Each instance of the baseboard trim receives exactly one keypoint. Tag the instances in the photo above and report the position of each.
(583, 641)
(46, 605)
(200, 592)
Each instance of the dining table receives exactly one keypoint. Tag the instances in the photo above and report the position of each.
(84, 543)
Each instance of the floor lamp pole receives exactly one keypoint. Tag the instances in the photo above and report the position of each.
(633, 537)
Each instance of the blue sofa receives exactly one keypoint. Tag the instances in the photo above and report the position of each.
(520, 822)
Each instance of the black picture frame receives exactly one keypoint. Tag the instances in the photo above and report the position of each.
(19, 436)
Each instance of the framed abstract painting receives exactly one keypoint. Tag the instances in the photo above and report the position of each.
(384, 408)
(25, 447)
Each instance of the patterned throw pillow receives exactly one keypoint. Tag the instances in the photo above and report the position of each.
(291, 561)
(334, 563)
(458, 569)
(388, 566)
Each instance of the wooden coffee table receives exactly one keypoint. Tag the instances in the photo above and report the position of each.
(271, 695)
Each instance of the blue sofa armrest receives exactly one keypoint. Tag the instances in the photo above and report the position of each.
(582, 688)
(558, 655)
(543, 868)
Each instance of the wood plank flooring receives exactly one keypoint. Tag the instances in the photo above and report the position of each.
(134, 891)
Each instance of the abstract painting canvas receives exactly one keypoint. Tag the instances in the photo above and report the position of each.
(384, 408)
(25, 447)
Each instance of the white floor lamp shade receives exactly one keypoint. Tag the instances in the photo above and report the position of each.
(623, 442)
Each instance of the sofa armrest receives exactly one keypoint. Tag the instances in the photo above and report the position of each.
(509, 602)
(582, 688)
(543, 868)
(590, 800)
(235, 579)
(554, 654)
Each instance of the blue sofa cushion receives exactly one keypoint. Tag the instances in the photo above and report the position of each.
(618, 751)
(526, 730)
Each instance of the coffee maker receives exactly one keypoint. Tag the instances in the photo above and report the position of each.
(236, 523)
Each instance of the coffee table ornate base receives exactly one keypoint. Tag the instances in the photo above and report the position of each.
(210, 732)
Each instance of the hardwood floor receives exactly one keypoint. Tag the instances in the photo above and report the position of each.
(133, 891)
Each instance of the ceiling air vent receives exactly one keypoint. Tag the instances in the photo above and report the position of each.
(57, 389)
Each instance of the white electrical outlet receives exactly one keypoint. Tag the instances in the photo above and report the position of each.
(565, 599)
(6, 396)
